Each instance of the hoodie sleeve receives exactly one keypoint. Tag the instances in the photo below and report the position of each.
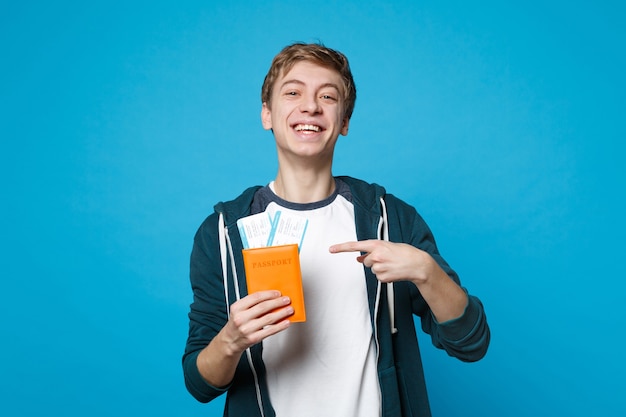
(466, 337)
(208, 312)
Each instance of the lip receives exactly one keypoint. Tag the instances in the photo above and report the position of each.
(308, 122)
(307, 133)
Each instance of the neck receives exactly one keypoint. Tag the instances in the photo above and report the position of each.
(304, 186)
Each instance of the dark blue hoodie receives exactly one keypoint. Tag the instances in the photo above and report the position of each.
(400, 372)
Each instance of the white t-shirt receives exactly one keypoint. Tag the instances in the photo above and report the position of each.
(326, 366)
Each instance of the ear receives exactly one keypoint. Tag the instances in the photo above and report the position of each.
(266, 117)
(344, 127)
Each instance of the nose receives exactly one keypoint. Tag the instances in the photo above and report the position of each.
(310, 104)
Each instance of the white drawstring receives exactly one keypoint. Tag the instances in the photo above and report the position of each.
(226, 249)
(384, 235)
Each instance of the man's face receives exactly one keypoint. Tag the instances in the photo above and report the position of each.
(306, 113)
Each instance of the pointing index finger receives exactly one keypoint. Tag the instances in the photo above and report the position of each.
(356, 246)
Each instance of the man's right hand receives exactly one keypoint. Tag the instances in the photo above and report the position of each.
(255, 317)
(252, 319)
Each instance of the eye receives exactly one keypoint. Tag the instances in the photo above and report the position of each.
(329, 97)
(291, 93)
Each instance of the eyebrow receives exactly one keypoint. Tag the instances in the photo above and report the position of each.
(296, 81)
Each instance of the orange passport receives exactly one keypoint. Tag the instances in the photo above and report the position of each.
(276, 268)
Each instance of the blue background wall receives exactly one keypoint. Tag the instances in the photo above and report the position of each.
(122, 123)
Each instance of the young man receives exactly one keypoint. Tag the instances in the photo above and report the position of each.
(357, 353)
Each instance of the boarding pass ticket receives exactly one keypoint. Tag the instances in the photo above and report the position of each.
(260, 230)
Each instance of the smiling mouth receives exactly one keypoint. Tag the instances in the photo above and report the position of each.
(307, 128)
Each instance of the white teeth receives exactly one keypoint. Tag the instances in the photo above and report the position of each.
(308, 127)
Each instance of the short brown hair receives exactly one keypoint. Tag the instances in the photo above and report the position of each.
(318, 54)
